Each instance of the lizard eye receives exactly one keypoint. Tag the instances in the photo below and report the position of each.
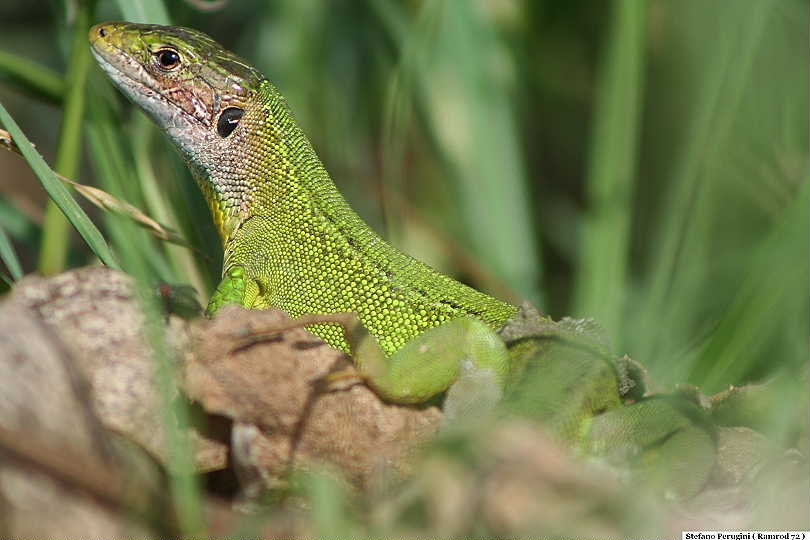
(168, 59)
(228, 121)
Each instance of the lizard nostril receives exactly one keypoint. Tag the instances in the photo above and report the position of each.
(102, 32)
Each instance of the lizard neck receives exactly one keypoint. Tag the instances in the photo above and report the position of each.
(269, 162)
(226, 219)
(266, 160)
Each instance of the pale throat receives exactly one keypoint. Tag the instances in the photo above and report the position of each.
(228, 199)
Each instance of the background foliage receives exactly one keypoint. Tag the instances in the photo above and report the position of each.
(644, 164)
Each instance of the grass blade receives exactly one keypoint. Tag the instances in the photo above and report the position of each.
(107, 202)
(55, 230)
(9, 256)
(59, 193)
(183, 261)
(759, 312)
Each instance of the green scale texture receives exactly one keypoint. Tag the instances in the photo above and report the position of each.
(311, 253)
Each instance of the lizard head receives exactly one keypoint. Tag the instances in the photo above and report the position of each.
(198, 92)
(189, 84)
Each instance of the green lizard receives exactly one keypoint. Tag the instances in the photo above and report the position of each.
(292, 242)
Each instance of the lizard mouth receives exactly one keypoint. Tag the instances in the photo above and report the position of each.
(135, 86)
(115, 61)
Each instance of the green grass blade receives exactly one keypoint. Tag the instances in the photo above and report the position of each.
(55, 231)
(114, 169)
(32, 77)
(144, 11)
(59, 193)
(601, 286)
(9, 256)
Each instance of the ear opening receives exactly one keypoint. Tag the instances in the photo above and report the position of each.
(228, 120)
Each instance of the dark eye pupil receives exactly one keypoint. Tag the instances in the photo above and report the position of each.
(228, 121)
(168, 59)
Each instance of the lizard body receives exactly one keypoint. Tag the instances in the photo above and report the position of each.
(292, 242)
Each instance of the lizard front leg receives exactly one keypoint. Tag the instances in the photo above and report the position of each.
(235, 288)
(462, 356)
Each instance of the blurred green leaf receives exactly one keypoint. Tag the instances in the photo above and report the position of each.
(9, 256)
(144, 11)
(725, 178)
(601, 287)
(742, 334)
(461, 75)
(32, 77)
(55, 232)
(17, 224)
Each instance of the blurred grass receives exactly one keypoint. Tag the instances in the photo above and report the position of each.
(145, 11)
(602, 277)
(460, 83)
(125, 178)
(747, 94)
(469, 122)
(32, 78)
(9, 257)
(642, 163)
(58, 192)
(55, 230)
